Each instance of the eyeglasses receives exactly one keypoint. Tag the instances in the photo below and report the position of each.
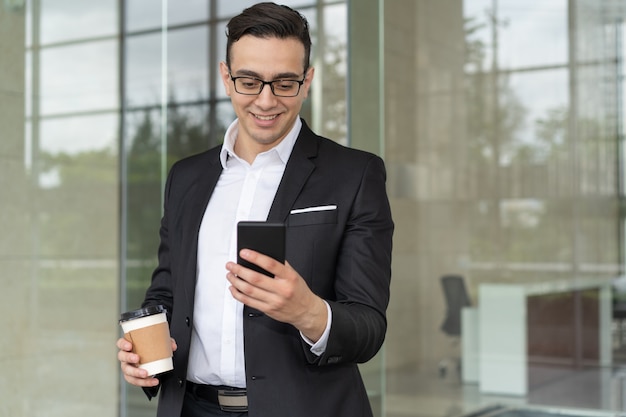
(251, 86)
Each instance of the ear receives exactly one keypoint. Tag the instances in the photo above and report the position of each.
(307, 81)
(228, 85)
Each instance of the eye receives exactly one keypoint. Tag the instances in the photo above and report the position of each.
(285, 85)
(249, 82)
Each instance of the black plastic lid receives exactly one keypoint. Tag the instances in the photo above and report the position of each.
(143, 312)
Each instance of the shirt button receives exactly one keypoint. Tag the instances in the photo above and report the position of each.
(187, 321)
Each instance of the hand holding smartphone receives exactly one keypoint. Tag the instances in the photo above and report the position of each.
(264, 237)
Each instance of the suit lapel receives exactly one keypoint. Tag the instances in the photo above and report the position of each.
(298, 169)
(200, 192)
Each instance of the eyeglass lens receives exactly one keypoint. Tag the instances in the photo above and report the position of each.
(253, 86)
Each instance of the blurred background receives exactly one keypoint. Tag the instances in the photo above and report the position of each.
(501, 126)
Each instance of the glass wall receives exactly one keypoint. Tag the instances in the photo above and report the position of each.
(500, 122)
(59, 207)
(502, 137)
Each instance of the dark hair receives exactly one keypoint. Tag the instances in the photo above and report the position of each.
(267, 20)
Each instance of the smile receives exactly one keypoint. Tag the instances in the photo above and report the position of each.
(258, 116)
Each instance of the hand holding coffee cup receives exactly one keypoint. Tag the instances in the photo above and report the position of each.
(148, 331)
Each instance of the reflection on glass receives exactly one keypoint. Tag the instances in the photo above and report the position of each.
(79, 134)
(221, 56)
(233, 7)
(147, 14)
(310, 14)
(543, 95)
(188, 75)
(525, 153)
(186, 67)
(332, 106)
(512, 26)
(143, 14)
(68, 143)
(63, 20)
(225, 116)
(28, 83)
(502, 160)
(143, 70)
(28, 24)
(187, 131)
(78, 78)
(189, 11)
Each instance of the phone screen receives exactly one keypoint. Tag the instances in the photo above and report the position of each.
(265, 237)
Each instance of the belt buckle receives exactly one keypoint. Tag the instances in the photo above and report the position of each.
(233, 400)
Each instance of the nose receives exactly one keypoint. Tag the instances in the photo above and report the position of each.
(266, 98)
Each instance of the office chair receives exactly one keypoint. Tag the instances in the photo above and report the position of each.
(456, 297)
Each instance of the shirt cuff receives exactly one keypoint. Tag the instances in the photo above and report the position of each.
(319, 347)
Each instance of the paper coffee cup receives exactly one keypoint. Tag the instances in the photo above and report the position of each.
(148, 331)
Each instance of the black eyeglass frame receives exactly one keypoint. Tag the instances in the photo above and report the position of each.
(264, 83)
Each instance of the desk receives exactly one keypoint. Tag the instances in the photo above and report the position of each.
(497, 358)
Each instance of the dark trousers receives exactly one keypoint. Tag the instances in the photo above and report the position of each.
(197, 407)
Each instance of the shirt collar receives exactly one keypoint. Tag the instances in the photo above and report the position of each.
(283, 149)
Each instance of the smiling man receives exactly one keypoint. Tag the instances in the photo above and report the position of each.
(246, 344)
(265, 118)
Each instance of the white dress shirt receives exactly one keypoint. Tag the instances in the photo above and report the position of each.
(243, 192)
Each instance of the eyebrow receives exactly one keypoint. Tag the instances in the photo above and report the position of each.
(279, 76)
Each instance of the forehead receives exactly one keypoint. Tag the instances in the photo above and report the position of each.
(267, 56)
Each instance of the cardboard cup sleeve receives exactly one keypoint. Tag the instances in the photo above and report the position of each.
(147, 329)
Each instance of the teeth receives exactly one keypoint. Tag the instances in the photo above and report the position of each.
(265, 117)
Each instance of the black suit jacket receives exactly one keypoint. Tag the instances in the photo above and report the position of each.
(344, 255)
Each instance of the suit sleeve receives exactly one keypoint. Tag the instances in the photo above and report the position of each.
(160, 290)
(363, 274)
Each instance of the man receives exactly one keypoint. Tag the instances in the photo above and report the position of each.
(247, 344)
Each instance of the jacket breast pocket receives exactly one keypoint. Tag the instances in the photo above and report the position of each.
(313, 215)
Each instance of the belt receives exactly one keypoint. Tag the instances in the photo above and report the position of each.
(231, 399)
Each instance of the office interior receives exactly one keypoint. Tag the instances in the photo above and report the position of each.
(501, 126)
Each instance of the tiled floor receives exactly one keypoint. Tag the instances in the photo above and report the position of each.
(586, 391)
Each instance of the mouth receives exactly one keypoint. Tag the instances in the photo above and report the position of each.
(265, 118)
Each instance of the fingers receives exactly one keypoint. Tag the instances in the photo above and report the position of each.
(266, 262)
(284, 298)
(129, 364)
(125, 354)
(123, 344)
(244, 290)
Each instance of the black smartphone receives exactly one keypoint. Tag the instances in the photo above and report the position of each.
(265, 237)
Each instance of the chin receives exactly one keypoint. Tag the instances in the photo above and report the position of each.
(265, 140)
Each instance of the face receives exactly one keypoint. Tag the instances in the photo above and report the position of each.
(265, 119)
